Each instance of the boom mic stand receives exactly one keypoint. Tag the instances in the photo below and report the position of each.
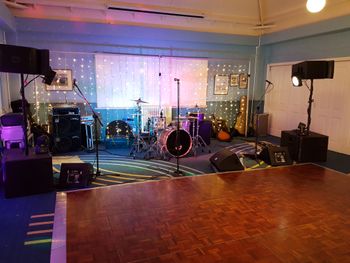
(256, 135)
(96, 119)
(177, 138)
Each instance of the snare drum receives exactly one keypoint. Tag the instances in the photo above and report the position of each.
(167, 139)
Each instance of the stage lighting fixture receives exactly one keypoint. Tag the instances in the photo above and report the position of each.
(315, 6)
(296, 80)
(312, 70)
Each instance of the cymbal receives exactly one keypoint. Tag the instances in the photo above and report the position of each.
(139, 101)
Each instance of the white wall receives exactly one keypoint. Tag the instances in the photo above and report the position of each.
(287, 105)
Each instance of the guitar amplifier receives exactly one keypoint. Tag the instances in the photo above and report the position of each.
(65, 127)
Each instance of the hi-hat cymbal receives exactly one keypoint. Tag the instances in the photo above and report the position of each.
(139, 101)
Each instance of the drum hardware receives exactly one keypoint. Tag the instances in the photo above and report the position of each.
(138, 101)
(198, 141)
(139, 144)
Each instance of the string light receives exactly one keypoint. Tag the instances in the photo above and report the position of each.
(83, 66)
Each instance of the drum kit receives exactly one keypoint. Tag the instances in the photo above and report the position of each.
(160, 140)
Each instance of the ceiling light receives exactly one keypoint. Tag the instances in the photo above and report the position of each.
(315, 6)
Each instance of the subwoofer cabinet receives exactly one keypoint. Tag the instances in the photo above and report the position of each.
(66, 130)
(26, 175)
(305, 148)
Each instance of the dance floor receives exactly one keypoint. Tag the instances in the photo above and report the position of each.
(297, 213)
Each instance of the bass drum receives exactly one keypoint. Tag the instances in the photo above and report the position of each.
(119, 129)
(167, 139)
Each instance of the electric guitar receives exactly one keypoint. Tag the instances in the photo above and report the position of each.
(241, 116)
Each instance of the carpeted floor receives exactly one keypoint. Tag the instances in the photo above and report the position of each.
(117, 166)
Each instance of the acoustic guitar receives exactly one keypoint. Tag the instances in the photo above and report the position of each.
(220, 129)
(223, 136)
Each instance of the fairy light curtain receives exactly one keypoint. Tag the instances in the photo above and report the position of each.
(121, 79)
(193, 75)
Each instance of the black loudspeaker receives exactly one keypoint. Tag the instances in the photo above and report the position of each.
(26, 175)
(314, 69)
(75, 175)
(26, 60)
(225, 160)
(275, 155)
(66, 133)
(305, 148)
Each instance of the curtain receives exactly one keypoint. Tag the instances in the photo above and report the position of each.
(121, 79)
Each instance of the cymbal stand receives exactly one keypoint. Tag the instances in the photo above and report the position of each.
(197, 140)
(139, 141)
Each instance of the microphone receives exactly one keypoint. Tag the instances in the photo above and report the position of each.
(268, 82)
(74, 82)
(175, 79)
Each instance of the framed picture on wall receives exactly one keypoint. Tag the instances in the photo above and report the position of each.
(221, 84)
(62, 81)
(243, 81)
(234, 80)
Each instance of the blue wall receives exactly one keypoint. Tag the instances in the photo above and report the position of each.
(330, 45)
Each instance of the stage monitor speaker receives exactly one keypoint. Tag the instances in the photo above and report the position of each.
(26, 60)
(275, 155)
(66, 133)
(75, 175)
(225, 160)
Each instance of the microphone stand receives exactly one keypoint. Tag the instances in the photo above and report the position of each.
(96, 119)
(177, 138)
(24, 112)
(255, 156)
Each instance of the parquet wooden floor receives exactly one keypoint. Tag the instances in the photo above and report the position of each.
(288, 214)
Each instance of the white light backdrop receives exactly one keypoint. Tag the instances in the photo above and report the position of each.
(120, 79)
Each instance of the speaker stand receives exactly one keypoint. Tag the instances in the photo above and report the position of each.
(24, 111)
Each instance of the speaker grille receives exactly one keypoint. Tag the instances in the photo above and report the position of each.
(66, 132)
